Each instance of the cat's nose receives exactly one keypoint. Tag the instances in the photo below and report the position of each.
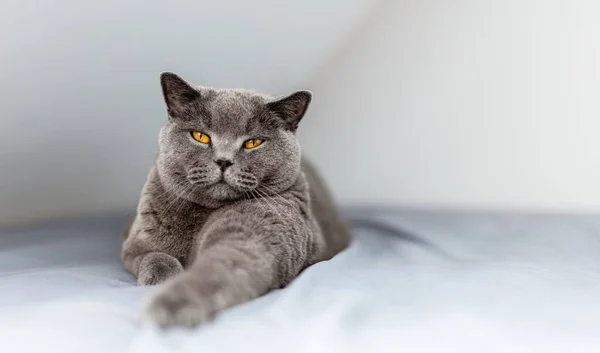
(223, 163)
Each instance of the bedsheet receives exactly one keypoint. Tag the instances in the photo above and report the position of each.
(454, 282)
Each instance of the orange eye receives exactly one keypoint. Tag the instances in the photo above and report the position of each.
(201, 137)
(253, 143)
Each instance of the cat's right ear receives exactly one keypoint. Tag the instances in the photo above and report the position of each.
(178, 94)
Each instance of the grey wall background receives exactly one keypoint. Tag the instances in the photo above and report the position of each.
(467, 103)
(80, 96)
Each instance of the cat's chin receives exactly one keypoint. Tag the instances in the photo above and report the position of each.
(215, 195)
(222, 191)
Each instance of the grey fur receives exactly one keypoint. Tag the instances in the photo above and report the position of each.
(217, 239)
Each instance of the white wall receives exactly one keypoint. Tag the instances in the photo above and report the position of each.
(464, 103)
(79, 88)
(467, 103)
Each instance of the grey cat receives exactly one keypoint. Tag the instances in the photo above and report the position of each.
(230, 210)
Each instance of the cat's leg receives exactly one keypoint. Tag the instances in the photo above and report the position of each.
(224, 276)
(146, 257)
(242, 264)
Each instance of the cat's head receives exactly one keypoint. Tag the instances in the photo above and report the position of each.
(220, 145)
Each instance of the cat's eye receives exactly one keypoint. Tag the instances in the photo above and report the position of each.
(253, 143)
(201, 137)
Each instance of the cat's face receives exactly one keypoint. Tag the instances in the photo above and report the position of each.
(219, 146)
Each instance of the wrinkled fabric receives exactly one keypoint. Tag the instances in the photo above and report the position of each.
(471, 283)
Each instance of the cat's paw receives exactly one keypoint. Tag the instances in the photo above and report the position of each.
(157, 267)
(177, 303)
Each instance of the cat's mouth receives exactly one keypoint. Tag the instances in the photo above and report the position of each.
(222, 182)
(222, 185)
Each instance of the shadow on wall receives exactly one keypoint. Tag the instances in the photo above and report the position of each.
(464, 104)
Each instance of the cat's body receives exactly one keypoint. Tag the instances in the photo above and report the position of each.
(221, 223)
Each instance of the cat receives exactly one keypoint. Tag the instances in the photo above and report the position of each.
(230, 209)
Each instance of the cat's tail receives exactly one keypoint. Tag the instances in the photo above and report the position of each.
(357, 222)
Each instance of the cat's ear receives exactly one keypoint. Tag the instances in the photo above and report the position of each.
(179, 95)
(291, 108)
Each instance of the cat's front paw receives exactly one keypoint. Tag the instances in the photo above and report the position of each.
(178, 303)
(156, 267)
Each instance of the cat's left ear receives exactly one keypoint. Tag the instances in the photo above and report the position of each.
(292, 108)
(178, 94)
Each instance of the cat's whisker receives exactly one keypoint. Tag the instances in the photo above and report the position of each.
(172, 198)
(184, 200)
(258, 201)
(279, 196)
(303, 229)
(282, 219)
(177, 198)
(249, 199)
(271, 203)
(276, 201)
(170, 190)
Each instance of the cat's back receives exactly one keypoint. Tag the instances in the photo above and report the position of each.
(335, 230)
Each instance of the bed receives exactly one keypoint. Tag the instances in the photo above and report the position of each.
(451, 282)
